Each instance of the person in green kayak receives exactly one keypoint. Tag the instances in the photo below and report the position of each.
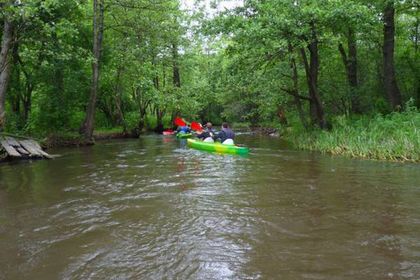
(207, 134)
(183, 129)
(226, 135)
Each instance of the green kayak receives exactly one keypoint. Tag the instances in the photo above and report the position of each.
(217, 147)
(183, 135)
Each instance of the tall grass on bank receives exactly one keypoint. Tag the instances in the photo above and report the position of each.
(393, 137)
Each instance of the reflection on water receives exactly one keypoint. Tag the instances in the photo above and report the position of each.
(152, 209)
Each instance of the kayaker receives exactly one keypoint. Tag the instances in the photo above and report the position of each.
(183, 129)
(207, 134)
(226, 135)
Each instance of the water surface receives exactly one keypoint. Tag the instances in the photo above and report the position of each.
(153, 209)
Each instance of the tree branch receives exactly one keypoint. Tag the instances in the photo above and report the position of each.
(292, 93)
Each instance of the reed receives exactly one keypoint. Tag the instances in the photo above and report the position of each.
(394, 137)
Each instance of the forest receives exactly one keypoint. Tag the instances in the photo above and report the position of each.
(335, 76)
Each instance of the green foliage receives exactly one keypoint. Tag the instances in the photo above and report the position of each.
(391, 137)
(235, 67)
(131, 120)
(151, 122)
(13, 123)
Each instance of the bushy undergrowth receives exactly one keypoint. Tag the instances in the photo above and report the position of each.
(392, 137)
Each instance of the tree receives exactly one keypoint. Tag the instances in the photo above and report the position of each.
(390, 81)
(312, 72)
(98, 31)
(5, 65)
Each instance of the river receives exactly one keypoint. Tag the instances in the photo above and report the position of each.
(151, 208)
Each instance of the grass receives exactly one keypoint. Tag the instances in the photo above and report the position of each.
(118, 129)
(394, 137)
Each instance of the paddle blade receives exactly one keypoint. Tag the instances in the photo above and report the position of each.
(196, 126)
(179, 122)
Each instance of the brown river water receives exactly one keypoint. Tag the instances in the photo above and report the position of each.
(153, 209)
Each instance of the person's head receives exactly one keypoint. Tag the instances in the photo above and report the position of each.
(209, 125)
(225, 125)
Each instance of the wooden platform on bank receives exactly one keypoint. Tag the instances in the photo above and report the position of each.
(13, 148)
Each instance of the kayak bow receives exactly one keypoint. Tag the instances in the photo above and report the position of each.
(168, 132)
(183, 135)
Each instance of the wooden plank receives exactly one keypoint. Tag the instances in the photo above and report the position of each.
(35, 144)
(34, 148)
(22, 151)
(33, 151)
(12, 142)
(40, 150)
(9, 149)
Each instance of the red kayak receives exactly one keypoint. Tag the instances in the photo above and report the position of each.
(168, 132)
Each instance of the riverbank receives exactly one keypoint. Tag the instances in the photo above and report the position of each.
(70, 139)
(61, 139)
(394, 137)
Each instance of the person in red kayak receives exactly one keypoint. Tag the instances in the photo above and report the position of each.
(207, 134)
(226, 135)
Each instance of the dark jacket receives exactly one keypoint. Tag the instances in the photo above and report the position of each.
(206, 133)
(226, 133)
(183, 129)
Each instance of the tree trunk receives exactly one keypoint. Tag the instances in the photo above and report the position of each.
(140, 126)
(27, 95)
(312, 70)
(98, 28)
(416, 48)
(352, 59)
(143, 105)
(418, 95)
(350, 64)
(5, 67)
(390, 81)
(15, 98)
(27, 102)
(175, 68)
(416, 36)
(281, 114)
(176, 76)
(159, 112)
(295, 89)
(159, 120)
(118, 99)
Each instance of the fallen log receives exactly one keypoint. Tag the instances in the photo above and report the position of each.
(9, 149)
(12, 148)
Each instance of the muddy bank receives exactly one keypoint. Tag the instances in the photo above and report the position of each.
(257, 130)
(75, 140)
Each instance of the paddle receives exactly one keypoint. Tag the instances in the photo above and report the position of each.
(196, 126)
(179, 122)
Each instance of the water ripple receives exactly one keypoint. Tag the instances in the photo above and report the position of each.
(154, 209)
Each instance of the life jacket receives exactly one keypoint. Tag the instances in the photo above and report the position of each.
(206, 134)
(211, 132)
(184, 129)
(229, 133)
